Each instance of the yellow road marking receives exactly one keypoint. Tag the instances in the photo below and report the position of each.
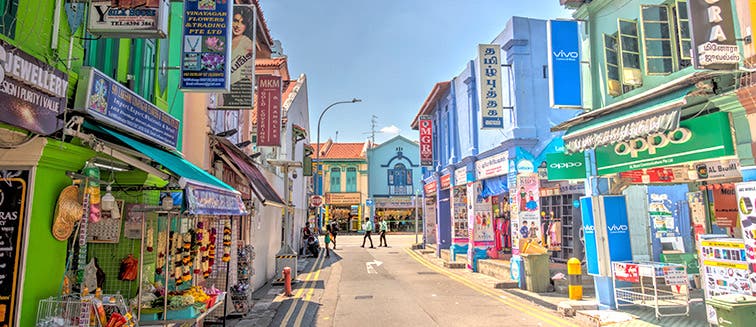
(300, 315)
(545, 317)
(299, 292)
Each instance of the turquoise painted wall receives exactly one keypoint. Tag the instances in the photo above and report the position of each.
(387, 154)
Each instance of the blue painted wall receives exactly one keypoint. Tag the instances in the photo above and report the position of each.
(398, 150)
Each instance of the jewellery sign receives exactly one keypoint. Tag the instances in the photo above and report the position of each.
(13, 189)
(32, 92)
(564, 64)
(206, 49)
(490, 86)
(496, 165)
(713, 34)
(113, 104)
(268, 110)
(426, 141)
(129, 19)
(696, 139)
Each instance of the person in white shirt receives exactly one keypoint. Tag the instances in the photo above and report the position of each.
(368, 227)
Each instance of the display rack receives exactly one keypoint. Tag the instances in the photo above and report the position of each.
(668, 298)
(73, 310)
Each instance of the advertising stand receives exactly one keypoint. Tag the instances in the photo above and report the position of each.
(724, 270)
(667, 299)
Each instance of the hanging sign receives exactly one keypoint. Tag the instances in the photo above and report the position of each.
(268, 110)
(33, 93)
(129, 19)
(589, 138)
(13, 193)
(564, 64)
(713, 35)
(111, 103)
(242, 60)
(496, 165)
(426, 141)
(492, 113)
(696, 139)
(203, 200)
(206, 50)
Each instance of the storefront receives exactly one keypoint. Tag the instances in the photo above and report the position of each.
(490, 185)
(560, 210)
(397, 211)
(345, 209)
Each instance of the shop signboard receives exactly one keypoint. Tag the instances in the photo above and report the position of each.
(460, 176)
(430, 188)
(713, 41)
(492, 112)
(445, 181)
(562, 166)
(564, 64)
(725, 206)
(203, 200)
(32, 93)
(591, 138)
(495, 165)
(426, 140)
(129, 19)
(268, 110)
(113, 104)
(656, 175)
(746, 195)
(242, 61)
(340, 199)
(394, 202)
(718, 169)
(14, 185)
(206, 48)
(696, 139)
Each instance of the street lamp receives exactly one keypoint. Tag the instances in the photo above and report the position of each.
(317, 155)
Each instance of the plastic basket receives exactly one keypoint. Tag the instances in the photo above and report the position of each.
(187, 313)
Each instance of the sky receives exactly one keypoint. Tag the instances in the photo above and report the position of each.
(389, 53)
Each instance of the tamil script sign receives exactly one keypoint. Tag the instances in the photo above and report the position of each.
(460, 176)
(14, 186)
(268, 110)
(426, 141)
(129, 19)
(111, 103)
(206, 48)
(564, 64)
(713, 34)
(589, 138)
(496, 165)
(491, 111)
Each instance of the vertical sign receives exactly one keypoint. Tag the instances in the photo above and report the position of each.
(528, 204)
(564, 64)
(746, 194)
(13, 186)
(268, 110)
(206, 49)
(713, 34)
(426, 141)
(242, 60)
(490, 86)
(589, 232)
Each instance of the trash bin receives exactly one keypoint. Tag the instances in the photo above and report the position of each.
(734, 309)
(536, 272)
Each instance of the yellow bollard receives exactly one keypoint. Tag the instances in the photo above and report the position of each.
(574, 272)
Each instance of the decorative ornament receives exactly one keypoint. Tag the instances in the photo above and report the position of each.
(226, 242)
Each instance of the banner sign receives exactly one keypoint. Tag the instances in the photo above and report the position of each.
(426, 141)
(713, 35)
(268, 110)
(701, 138)
(746, 195)
(113, 104)
(13, 196)
(129, 19)
(242, 60)
(656, 175)
(460, 176)
(445, 181)
(589, 233)
(560, 166)
(492, 113)
(32, 92)
(591, 138)
(203, 200)
(564, 64)
(495, 165)
(430, 188)
(342, 198)
(206, 49)
(626, 272)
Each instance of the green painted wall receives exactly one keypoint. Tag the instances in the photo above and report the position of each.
(175, 97)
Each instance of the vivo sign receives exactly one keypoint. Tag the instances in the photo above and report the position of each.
(613, 229)
(562, 55)
(652, 142)
(564, 64)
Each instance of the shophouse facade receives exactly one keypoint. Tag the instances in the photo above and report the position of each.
(344, 184)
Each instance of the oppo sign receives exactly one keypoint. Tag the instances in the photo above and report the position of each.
(652, 142)
(565, 165)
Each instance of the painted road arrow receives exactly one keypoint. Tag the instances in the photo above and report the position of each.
(370, 266)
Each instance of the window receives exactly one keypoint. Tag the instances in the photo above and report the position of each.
(682, 24)
(335, 179)
(351, 179)
(629, 54)
(8, 22)
(103, 55)
(657, 40)
(143, 68)
(612, 65)
(400, 180)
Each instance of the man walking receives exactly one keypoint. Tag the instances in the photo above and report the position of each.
(368, 227)
(383, 230)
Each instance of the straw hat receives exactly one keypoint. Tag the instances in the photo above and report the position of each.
(67, 212)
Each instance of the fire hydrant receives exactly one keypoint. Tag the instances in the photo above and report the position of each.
(575, 279)
(287, 281)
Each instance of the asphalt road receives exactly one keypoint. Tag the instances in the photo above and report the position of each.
(395, 287)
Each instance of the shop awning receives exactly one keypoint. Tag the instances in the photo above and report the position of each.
(626, 124)
(494, 186)
(260, 186)
(205, 194)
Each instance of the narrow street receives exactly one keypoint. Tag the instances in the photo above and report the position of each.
(395, 287)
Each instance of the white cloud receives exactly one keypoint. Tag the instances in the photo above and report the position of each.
(391, 130)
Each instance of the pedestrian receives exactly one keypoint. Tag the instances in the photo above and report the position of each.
(383, 229)
(334, 230)
(328, 240)
(368, 227)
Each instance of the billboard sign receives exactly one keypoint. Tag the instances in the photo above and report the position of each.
(713, 35)
(426, 141)
(206, 48)
(242, 61)
(268, 110)
(491, 111)
(564, 64)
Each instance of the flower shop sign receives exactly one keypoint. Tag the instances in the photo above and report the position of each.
(206, 48)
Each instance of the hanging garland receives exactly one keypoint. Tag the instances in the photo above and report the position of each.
(161, 254)
(226, 242)
(186, 276)
(211, 251)
(178, 263)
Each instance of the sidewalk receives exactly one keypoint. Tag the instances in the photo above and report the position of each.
(584, 312)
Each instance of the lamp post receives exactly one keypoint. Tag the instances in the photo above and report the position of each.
(317, 155)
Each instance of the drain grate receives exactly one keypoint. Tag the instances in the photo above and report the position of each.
(427, 273)
(394, 252)
(363, 297)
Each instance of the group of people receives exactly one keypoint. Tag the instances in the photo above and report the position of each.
(368, 228)
(332, 230)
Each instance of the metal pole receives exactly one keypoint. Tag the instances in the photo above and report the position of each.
(416, 214)
(317, 155)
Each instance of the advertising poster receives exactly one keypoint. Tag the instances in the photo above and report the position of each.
(459, 215)
(670, 227)
(492, 110)
(724, 270)
(564, 64)
(13, 196)
(426, 140)
(528, 204)
(206, 48)
(483, 224)
(725, 206)
(242, 60)
(268, 110)
(626, 272)
(429, 216)
(746, 194)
